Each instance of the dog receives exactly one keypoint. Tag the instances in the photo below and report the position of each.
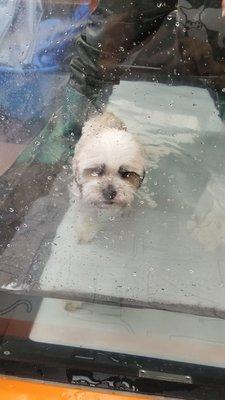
(109, 167)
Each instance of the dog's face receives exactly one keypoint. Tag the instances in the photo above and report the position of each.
(109, 168)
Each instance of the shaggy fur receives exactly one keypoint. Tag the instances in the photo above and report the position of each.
(109, 166)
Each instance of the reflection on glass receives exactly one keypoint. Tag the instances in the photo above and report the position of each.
(159, 69)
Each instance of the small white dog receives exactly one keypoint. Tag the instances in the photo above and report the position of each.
(109, 166)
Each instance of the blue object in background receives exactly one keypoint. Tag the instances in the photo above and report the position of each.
(56, 37)
(28, 92)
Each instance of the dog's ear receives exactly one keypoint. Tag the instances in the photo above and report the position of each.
(74, 167)
(142, 177)
(123, 127)
(76, 173)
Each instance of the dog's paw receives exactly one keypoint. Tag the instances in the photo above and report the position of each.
(72, 306)
(85, 237)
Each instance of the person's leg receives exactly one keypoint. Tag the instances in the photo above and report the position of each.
(202, 45)
(113, 31)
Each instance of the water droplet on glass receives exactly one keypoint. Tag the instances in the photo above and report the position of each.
(11, 209)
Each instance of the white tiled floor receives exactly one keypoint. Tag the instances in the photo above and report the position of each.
(158, 254)
(143, 332)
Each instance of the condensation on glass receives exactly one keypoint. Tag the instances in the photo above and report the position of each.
(159, 68)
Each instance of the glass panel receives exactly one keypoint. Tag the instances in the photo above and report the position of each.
(135, 216)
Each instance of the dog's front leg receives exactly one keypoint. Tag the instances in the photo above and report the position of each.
(87, 225)
(126, 211)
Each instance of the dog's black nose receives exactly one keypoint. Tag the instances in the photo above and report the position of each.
(109, 193)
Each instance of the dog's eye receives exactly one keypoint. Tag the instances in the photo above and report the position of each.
(96, 171)
(124, 173)
(132, 177)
